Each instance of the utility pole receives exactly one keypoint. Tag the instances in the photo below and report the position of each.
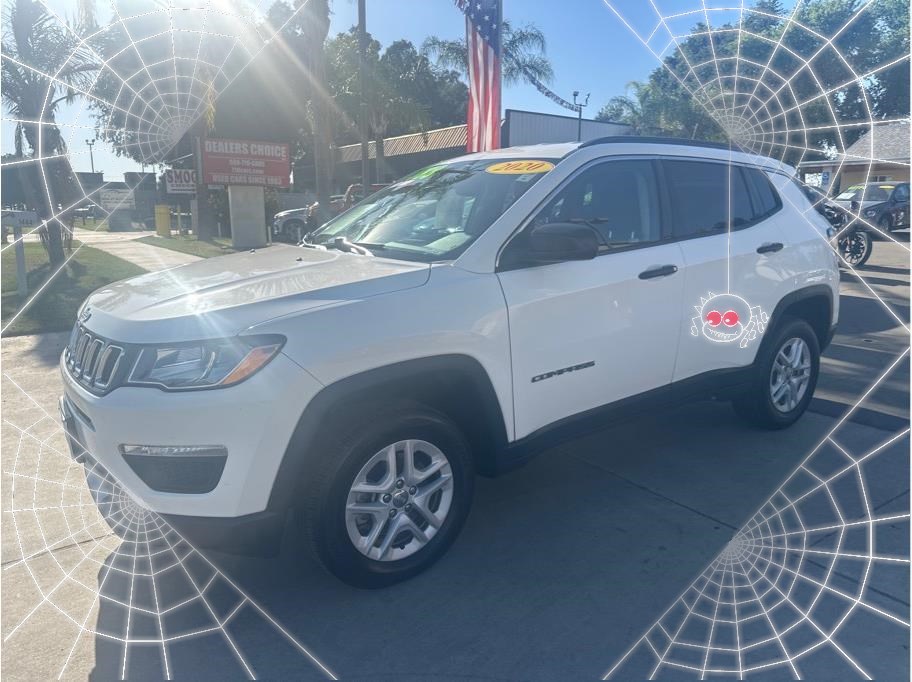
(362, 83)
(579, 110)
(91, 143)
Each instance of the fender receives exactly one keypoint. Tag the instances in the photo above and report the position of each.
(457, 384)
(825, 333)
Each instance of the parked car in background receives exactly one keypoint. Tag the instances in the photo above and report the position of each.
(884, 204)
(459, 321)
(291, 225)
(294, 224)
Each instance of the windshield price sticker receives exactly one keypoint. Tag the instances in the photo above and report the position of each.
(520, 167)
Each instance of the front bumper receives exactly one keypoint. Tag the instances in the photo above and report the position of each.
(253, 420)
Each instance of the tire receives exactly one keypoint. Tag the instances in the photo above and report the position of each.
(346, 451)
(855, 248)
(759, 405)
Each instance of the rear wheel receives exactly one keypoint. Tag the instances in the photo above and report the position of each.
(855, 247)
(785, 377)
(389, 498)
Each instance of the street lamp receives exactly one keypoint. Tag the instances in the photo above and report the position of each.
(579, 109)
(91, 143)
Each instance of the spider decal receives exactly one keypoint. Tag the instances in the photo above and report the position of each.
(726, 318)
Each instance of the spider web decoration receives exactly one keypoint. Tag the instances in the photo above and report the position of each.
(802, 578)
(108, 568)
(774, 93)
(143, 81)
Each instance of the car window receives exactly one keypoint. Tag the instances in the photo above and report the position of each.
(866, 193)
(435, 213)
(619, 199)
(901, 193)
(703, 196)
(766, 201)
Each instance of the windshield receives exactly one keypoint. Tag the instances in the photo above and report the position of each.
(436, 213)
(872, 193)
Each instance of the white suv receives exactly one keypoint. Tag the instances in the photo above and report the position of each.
(456, 322)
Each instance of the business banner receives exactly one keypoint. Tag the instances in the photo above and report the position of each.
(245, 162)
(180, 181)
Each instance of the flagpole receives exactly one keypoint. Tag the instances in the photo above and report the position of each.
(500, 66)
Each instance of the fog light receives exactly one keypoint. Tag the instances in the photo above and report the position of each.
(191, 469)
(175, 450)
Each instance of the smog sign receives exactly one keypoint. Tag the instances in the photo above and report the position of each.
(180, 181)
(246, 162)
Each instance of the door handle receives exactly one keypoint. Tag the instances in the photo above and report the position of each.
(769, 247)
(659, 271)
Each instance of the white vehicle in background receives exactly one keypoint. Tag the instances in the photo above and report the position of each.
(458, 321)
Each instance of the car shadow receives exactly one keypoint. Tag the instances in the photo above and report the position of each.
(865, 315)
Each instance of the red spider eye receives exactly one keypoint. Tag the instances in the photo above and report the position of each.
(714, 317)
(730, 318)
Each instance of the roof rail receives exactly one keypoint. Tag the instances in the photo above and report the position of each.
(657, 140)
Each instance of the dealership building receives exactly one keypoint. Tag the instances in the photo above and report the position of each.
(405, 154)
(881, 154)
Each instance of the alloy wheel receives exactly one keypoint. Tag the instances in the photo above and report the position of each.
(399, 500)
(790, 374)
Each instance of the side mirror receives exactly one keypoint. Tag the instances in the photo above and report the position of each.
(558, 242)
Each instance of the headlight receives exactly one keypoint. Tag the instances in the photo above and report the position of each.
(871, 212)
(203, 364)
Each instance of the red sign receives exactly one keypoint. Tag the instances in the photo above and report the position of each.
(245, 162)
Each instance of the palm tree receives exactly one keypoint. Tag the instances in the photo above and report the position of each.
(43, 66)
(524, 54)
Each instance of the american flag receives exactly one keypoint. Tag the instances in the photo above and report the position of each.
(483, 19)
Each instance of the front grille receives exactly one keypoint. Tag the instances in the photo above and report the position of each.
(92, 360)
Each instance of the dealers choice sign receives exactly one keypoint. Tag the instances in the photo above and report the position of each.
(245, 162)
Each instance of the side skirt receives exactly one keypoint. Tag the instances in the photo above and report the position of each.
(719, 384)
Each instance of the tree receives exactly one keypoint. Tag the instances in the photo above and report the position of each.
(403, 91)
(44, 65)
(763, 71)
(524, 48)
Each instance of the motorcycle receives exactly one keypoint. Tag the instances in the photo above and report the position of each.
(853, 242)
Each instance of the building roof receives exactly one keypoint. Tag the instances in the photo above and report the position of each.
(885, 142)
(453, 137)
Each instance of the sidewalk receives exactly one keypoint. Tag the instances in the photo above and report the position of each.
(124, 245)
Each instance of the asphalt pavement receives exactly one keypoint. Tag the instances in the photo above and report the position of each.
(562, 567)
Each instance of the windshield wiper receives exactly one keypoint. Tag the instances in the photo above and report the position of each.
(371, 246)
(342, 244)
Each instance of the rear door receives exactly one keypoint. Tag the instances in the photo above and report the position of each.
(728, 220)
(587, 333)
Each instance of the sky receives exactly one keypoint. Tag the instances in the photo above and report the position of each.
(589, 47)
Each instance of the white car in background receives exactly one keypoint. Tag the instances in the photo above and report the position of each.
(455, 323)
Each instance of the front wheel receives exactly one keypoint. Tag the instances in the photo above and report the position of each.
(785, 377)
(855, 247)
(390, 497)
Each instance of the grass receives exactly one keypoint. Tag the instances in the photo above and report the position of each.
(54, 308)
(191, 245)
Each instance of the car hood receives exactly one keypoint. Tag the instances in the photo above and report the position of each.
(223, 296)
